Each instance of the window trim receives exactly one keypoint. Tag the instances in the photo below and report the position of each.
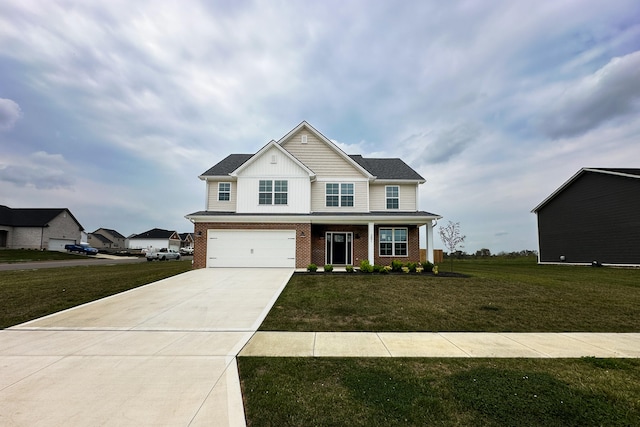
(227, 192)
(273, 193)
(393, 242)
(340, 195)
(388, 198)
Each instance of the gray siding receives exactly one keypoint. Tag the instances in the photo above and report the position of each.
(596, 218)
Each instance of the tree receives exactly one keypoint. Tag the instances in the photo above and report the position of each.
(451, 237)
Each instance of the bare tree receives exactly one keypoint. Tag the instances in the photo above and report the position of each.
(451, 237)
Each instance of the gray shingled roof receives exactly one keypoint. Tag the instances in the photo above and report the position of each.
(227, 165)
(155, 233)
(31, 217)
(381, 168)
(387, 168)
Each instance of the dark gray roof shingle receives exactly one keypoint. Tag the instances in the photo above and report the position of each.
(227, 165)
(387, 168)
(31, 217)
(155, 233)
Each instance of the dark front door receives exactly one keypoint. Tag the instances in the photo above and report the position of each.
(339, 248)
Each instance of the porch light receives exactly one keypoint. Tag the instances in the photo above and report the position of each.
(302, 234)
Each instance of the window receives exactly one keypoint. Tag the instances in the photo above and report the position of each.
(393, 197)
(339, 194)
(224, 191)
(393, 241)
(272, 192)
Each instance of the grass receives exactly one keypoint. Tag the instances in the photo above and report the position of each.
(444, 392)
(27, 295)
(500, 295)
(26, 255)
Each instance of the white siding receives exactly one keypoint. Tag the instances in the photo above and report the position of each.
(319, 157)
(407, 200)
(213, 204)
(273, 165)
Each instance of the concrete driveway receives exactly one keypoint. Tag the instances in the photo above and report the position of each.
(161, 354)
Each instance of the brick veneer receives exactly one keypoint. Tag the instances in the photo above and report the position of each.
(311, 247)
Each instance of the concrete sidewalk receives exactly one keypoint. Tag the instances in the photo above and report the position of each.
(162, 354)
(442, 344)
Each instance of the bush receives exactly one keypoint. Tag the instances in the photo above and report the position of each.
(396, 265)
(412, 266)
(311, 268)
(328, 268)
(427, 266)
(378, 269)
(365, 266)
(349, 268)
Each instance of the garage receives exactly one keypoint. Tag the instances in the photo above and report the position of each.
(251, 248)
(58, 244)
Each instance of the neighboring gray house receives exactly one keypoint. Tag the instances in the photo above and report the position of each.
(156, 239)
(106, 238)
(302, 200)
(594, 216)
(35, 228)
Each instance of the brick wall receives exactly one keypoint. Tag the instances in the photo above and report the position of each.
(413, 246)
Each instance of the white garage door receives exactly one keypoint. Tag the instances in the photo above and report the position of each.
(58, 244)
(251, 248)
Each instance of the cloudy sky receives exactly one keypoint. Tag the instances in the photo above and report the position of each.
(113, 108)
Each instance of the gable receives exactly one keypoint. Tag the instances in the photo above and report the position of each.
(321, 155)
(273, 161)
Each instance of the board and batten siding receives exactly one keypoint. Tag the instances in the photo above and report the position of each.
(215, 205)
(319, 157)
(407, 196)
(273, 164)
(360, 199)
(594, 219)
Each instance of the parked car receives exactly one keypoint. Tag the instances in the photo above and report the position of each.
(162, 255)
(82, 248)
(186, 251)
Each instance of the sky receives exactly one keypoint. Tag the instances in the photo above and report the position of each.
(114, 108)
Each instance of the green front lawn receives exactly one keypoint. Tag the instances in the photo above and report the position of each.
(27, 295)
(444, 392)
(499, 295)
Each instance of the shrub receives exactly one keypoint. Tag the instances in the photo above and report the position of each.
(412, 266)
(435, 269)
(405, 269)
(419, 269)
(349, 268)
(387, 269)
(396, 265)
(365, 266)
(328, 268)
(311, 268)
(427, 266)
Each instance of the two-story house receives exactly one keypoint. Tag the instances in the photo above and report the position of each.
(302, 200)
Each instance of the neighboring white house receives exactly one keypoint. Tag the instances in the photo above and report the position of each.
(35, 228)
(156, 239)
(302, 200)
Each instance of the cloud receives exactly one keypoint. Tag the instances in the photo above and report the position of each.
(10, 112)
(40, 170)
(441, 146)
(612, 91)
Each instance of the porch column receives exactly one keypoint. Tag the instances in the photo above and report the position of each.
(371, 253)
(429, 229)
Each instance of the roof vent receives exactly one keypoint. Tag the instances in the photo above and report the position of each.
(274, 159)
(304, 139)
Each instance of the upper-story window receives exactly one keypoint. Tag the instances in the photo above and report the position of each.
(339, 194)
(224, 191)
(393, 197)
(272, 192)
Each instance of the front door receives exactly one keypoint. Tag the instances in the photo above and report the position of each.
(339, 248)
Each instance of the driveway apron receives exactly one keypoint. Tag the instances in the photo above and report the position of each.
(161, 354)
